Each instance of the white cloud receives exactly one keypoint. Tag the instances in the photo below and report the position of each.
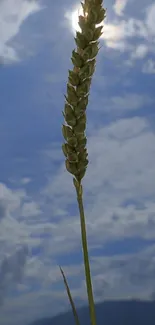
(120, 32)
(140, 52)
(121, 169)
(117, 34)
(119, 7)
(10, 199)
(121, 166)
(149, 67)
(11, 270)
(33, 305)
(126, 276)
(119, 106)
(30, 209)
(128, 102)
(12, 15)
(150, 19)
(25, 180)
(114, 277)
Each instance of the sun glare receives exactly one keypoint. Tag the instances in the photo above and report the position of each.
(73, 17)
(112, 33)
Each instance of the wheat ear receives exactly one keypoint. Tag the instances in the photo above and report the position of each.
(78, 87)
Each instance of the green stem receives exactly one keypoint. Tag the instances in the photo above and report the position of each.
(86, 256)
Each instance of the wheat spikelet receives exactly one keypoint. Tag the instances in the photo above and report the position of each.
(78, 87)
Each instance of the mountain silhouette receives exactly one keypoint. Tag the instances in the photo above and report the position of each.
(125, 312)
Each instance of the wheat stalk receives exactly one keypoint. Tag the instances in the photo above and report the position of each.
(78, 87)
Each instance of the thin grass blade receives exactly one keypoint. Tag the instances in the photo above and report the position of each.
(70, 298)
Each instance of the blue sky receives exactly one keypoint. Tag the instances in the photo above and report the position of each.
(39, 218)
